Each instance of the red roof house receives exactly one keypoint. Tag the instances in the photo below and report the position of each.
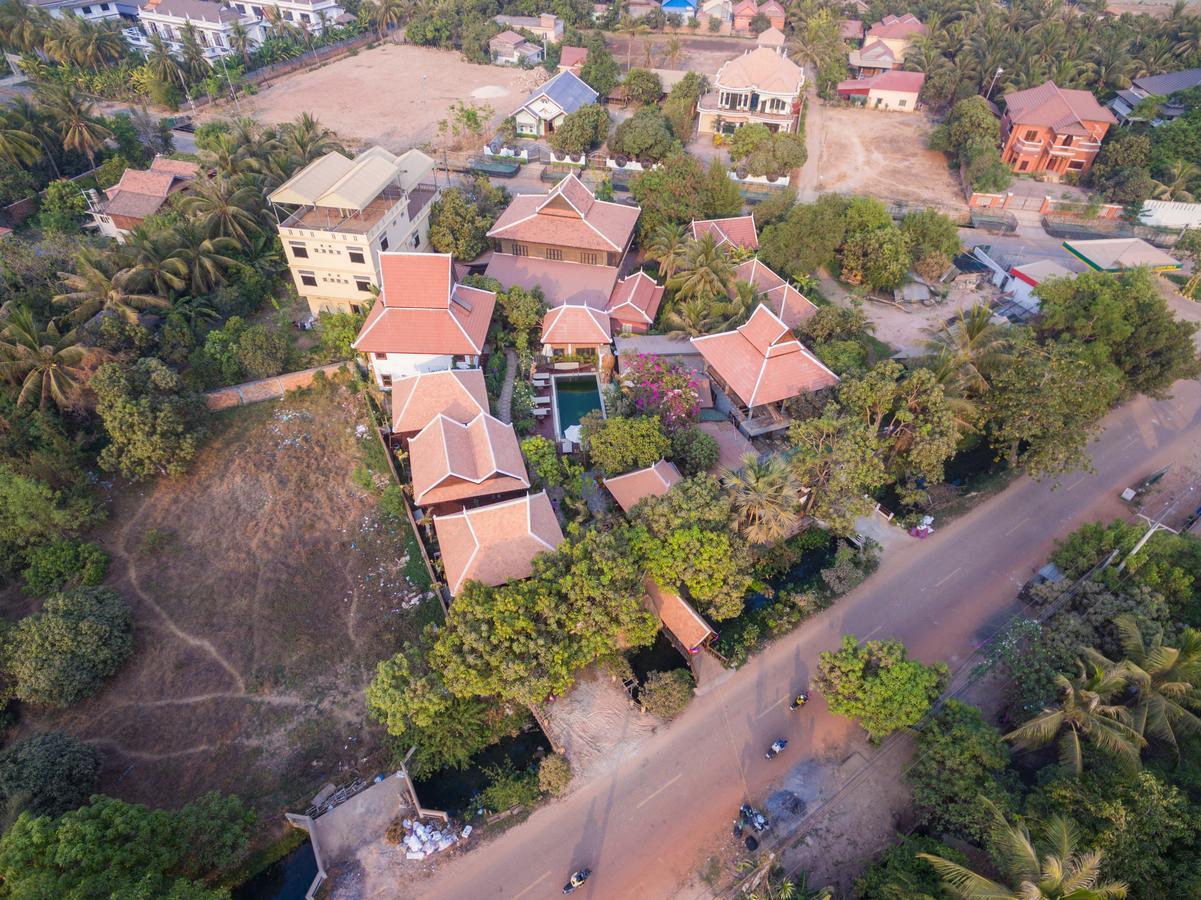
(737, 231)
(894, 89)
(789, 305)
(634, 303)
(454, 461)
(682, 622)
(632, 487)
(458, 394)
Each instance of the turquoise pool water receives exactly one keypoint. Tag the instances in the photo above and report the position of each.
(575, 397)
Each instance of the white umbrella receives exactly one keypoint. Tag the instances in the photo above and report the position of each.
(572, 433)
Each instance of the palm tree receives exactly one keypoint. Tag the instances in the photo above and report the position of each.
(1085, 711)
(91, 290)
(385, 14)
(17, 146)
(1053, 868)
(239, 41)
(631, 28)
(223, 208)
(192, 54)
(45, 362)
(194, 309)
(79, 127)
(23, 25)
(163, 65)
(667, 247)
(153, 267)
(203, 257)
(1166, 679)
(706, 272)
(305, 139)
(766, 497)
(673, 50)
(24, 115)
(743, 300)
(691, 318)
(1182, 174)
(973, 345)
(97, 44)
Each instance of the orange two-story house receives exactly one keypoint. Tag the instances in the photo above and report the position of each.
(1052, 129)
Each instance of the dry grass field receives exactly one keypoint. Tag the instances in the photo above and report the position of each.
(265, 587)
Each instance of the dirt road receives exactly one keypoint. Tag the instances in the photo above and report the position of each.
(646, 828)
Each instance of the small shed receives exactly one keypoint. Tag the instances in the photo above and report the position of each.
(684, 624)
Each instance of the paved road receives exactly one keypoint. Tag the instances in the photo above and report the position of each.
(647, 827)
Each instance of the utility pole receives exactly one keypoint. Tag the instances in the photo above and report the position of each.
(1154, 525)
(992, 83)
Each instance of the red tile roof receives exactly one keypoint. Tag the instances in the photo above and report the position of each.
(903, 26)
(421, 310)
(762, 362)
(569, 216)
(1051, 106)
(576, 324)
(496, 544)
(737, 230)
(653, 481)
(458, 394)
(893, 80)
(571, 57)
(180, 168)
(636, 300)
(789, 304)
(451, 460)
(561, 281)
(678, 616)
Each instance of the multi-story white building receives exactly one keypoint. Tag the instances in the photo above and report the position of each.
(336, 215)
(212, 21)
(313, 15)
(88, 9)
(762, 86)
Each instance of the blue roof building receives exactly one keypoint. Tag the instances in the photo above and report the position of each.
(684, 8)
(546, 108)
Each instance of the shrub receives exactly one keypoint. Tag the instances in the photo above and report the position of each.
(554, 774)
(508, 788)
(663, 388)
(68, 650)
(47, 774)
(63, 206)
(618, 445)
(65, 563)
(693, 450)
(338, 331)
(665, 694)
(262, 351)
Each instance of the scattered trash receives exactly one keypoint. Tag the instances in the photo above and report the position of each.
(420, 839)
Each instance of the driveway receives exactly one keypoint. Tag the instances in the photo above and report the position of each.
(647, 827)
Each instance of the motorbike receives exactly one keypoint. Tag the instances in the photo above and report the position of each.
(748, 815)
(774, 750)
(799, 700)
(577, 878)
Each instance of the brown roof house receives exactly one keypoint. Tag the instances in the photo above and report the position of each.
(759, 366)
(496, 544)
(1053, 129)
(885, 44)
(458, 394)
(684, 624)
(571, 245)
(631, 488)
(452, 462)
(893, 90)
(735, 231)
(572, 58)
(634, 304)
(139, 194)
(510, 49)
(422, 321)
(786, 302)
(745, 12)
(761, 86)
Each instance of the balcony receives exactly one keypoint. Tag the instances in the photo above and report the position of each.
(371, 219)
(1022, 146)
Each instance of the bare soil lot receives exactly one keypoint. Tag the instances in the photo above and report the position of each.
(884, 155)
(265, 587)
(393, 95)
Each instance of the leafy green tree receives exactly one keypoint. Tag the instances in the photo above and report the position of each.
(32, 513)
(973, 134)
(1088, 710)
(63, 207)
(582, 130)
(1053, 868)
(543, 459)
(47, 774)
(808, 238)
(338, 331)
(929, 233)
(600, 70)
(644, 136)
(761, 151)
(669, 195)
(876, 683)
(457, 226)
(263, 351)
(1121, 171)
(713, 567)
(642, 86)
(693, 450)
(523, 312)
(837, 458)
(666, 694)
(153, 423)
(617, 444)
(959, 759)
(64, 563)
(899, 873)
(1046, 405)
(720, 197)
(878, 258)
(554, 774)
(68, 649)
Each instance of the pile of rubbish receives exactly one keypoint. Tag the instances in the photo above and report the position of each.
(421, 840)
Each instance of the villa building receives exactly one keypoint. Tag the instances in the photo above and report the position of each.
(885, 45)
(88, 9)
(788, 304)
(457, 394)
(212, 21)
(761, 86)
(453, 462)
(138, 195)
(633, 487)
(735, 231)
(757, 368)
(1159, 86)
(546, 27)
(510, 49)
(337, 216)
(545, 109)
(634, 303)
(496, 544)
(422, 321)
(746, 11)
(1053, 129)
(892, 90)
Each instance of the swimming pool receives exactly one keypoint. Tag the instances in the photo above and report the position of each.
(575, 397)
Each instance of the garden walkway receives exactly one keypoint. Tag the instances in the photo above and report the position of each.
(504, 404)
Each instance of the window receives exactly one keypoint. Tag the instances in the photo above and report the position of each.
(587, 352)
(1076, 165)
(612, 260)
(901, 103)
(104, 7)
(362, 284)
(589, 259)
(300, 251)
(87, 10)
(308, 278)
(1031, 135)
(381, 356)
(385, 381)
(1067, 141)
(554, 253)
(521, 249)
(416, 240)
(383, 242)
(356, 256)
(1023, 166)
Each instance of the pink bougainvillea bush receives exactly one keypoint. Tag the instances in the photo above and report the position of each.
(663, 388)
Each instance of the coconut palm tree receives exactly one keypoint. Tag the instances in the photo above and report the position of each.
(17, 146)
(96, 44)
(192, 54)
(163, 65)
(1054, 868)
(667, 247)
(1165, 679)
(689, 318)
(153, 267)
(766, 497)
(43, 361)
(74, 118)
(305, 138)
(224, 208)
(631, 28)
(386, 14)
(93, 288)
(239, 41)
(743, 299)
(1180, 177)
(194, 309)
(203, 257)
(973, 345)
(705, 274)
(1086, 711)
(23, 25)
(24, 115)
